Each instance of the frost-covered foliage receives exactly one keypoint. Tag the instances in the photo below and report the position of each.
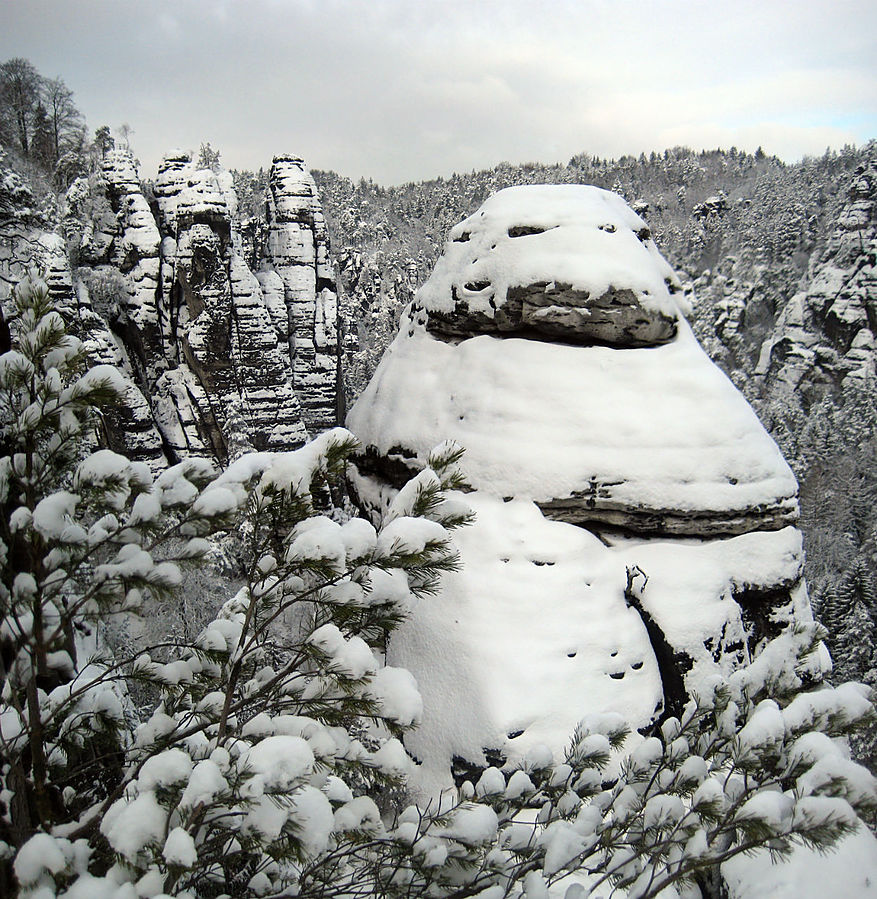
(256, 769)
(263, 725)
(752, 762)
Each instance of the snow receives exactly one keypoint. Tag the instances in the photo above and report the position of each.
(466, 645)
(848, 701)
(772, 807)
(281, 761)
(562, 843)
(131, 826)
(396, 691)
(11, 725)
(170, 767)
(319, 538)
(357, 813)
(850, 871)
(350, 657)
(409, 535)
(659, 428)
(692, 583)
(491, 783)
(40, 853)
(265, 817)
(205, 783)
(589, 240)
(359, 538)
(311, 812)
(179, 848)
(99, 377)
(52, 513)
(472, 825)
(518, 784)
(216, 501)
(590, 654)
(392, 759)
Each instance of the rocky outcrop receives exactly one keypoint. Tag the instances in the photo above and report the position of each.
(634, 524)
(527, 278)
(229, 367)
(297, 250)
(825, 335)
(220, 359)
(129, 428)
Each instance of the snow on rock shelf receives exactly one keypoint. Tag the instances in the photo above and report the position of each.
(567, 261)
(599, 457)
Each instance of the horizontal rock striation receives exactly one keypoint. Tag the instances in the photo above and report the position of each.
(525, 278)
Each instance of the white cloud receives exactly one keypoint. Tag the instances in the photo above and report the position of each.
(398, 90)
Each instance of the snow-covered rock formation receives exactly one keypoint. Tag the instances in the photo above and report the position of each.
(634, 524)
(231, 364)
(219, 357)
(298, 251)
(25, 243)
(827, 333)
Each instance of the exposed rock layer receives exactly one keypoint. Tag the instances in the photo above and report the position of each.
(228, 359)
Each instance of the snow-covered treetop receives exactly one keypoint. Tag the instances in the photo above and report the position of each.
(573, 234)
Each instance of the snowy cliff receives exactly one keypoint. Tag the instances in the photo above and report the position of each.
(221, 353)
(825, 337)
(634, 524)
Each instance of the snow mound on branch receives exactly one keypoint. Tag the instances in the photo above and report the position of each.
(851, 870)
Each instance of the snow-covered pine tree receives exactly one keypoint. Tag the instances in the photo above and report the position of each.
(259, 727)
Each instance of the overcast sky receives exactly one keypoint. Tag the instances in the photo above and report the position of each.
(401, 90)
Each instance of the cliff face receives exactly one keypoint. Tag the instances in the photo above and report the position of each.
(635, 528)
(297, 250)
(220, 358)
(826, 336)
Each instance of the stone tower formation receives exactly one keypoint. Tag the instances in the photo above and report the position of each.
(635, 524)
(222, 355)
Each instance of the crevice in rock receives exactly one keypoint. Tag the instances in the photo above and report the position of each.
(395, 468)
(672, 665)
(757, 605)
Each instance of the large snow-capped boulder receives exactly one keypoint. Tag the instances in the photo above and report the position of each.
(583, 272)
(654, 439)
(634, 522)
